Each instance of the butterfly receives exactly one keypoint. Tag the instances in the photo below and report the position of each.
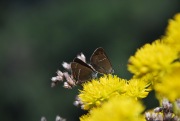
(99, 63)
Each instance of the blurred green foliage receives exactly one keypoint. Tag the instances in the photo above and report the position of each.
(37, 36)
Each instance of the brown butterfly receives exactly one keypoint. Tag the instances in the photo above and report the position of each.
(99, 63)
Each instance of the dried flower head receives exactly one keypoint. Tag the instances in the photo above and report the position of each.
(163, 113)
(58, 118)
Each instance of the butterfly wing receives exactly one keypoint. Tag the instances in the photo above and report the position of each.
(100, 61)
(81, 71)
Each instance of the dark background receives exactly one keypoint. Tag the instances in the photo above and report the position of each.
(36, 36)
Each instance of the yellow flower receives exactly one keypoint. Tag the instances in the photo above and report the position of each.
(119, 108)
(172, 37)
(169, 86)
(97, 91)
(155, 58)
(138, 88)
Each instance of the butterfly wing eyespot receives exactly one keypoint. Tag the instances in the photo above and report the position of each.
(100, 61)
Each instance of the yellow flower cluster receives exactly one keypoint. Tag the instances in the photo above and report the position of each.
(161, 60)
(170, 85)
(119, 108)
(155, 58)
(172, 37)
(138, 88)
(97, 91)
(155, 66)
